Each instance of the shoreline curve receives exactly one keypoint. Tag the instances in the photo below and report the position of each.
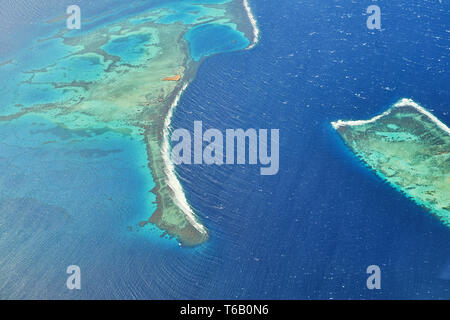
(172, 180)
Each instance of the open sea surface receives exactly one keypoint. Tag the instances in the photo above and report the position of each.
(309, 232)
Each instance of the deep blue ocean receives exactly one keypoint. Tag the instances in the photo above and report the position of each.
(309, 232)
(312, 230)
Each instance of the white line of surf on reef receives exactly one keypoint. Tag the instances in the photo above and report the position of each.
(169, 168)
(402, 103)
(171, 178)
(254, 25)
(409, 102)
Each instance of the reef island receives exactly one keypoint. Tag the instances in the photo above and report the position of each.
(408, 147)
(124, 72)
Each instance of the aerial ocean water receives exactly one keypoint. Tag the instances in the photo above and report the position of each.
(312, 230)
(309, 232)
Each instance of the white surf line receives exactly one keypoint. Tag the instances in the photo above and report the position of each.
(341, 123)
(254, 25)
(409, 102)
(402, 103)
(169, 169)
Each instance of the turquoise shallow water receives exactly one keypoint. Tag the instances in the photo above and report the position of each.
(206, 40)
(131, 48)
(75, 194)
(69, 197)
(309, 232)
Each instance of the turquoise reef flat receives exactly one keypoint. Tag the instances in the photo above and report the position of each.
(408, 147)
(124, 76)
